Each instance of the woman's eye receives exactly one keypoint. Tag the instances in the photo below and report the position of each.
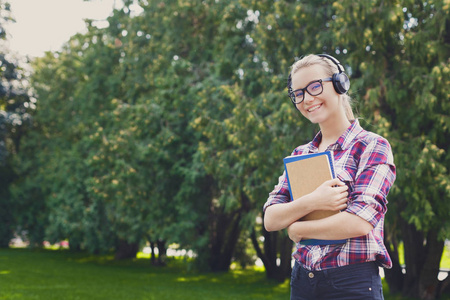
(315, 86)
(299, 94)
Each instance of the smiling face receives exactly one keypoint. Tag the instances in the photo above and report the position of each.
(322, 109)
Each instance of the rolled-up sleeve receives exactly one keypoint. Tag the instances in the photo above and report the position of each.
(376, 175)
(280, 193)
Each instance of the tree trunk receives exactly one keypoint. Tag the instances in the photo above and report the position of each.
(444, 286)
(428, 282)
(162, 252)
(276, 245)
(286, 248)
(224, 234)
(126, 250)
(394, 277)
(422, 260)
(152, 255)
(413, 241)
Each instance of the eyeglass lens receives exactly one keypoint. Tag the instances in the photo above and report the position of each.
(314, 89)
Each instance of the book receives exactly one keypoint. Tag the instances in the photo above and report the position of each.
(304, 174)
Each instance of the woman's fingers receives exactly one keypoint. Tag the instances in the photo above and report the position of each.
(334, 182)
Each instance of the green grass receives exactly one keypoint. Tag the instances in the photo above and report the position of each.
(48, 274)
(445, 260)
(61, 274)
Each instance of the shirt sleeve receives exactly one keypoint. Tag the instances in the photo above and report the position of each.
(375, 176)
(280, 193)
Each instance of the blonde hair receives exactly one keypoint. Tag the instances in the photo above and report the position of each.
(330, 68)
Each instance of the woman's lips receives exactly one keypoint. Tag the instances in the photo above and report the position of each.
(314, 107)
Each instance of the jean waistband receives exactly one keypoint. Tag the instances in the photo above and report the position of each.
(332, 272)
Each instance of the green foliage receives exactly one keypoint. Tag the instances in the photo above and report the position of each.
(398, 53)
(16, 104)
(402, 76)
(172, 124)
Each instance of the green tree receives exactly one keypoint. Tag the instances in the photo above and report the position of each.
(171, 125)
(118, 154)
(16, 104)
(161, 67)
(285, 30)
(256, 126)
(73, 88)
(398, 53)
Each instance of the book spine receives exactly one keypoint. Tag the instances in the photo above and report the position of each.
(331, 158)
(314, 242)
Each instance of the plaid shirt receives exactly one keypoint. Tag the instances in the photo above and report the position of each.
(364, 161)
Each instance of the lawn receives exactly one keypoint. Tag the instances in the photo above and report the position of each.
(61, 274)
(49, 274)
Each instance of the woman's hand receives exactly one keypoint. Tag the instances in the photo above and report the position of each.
(330, 195)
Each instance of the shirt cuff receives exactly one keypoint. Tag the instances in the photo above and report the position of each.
(365, 211)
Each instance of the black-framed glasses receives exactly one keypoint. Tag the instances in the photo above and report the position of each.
(314, 88)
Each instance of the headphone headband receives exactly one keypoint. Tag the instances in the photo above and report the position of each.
(334, 60)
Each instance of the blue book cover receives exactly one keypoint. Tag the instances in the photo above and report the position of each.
(304, 174)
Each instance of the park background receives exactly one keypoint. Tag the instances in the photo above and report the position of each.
(167, 129)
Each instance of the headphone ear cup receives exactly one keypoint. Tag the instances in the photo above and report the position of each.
(341, 83)
(290, 91)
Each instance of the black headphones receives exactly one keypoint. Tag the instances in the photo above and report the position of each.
(341, 82)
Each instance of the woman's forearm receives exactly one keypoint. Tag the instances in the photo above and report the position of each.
(339, 226)
(280, 216)
(330, 195)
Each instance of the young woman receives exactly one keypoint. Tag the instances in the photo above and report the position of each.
(365, 172)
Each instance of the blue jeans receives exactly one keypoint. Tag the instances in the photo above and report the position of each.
(358, 281)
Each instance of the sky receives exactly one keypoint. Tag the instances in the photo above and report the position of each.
(45, 25)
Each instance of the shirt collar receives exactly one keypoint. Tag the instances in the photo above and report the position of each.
(343, 142)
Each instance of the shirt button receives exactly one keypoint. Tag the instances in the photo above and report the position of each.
(311, 275)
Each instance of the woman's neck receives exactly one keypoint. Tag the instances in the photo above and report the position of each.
(331, 132)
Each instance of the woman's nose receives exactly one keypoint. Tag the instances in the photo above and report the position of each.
(308, 97)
